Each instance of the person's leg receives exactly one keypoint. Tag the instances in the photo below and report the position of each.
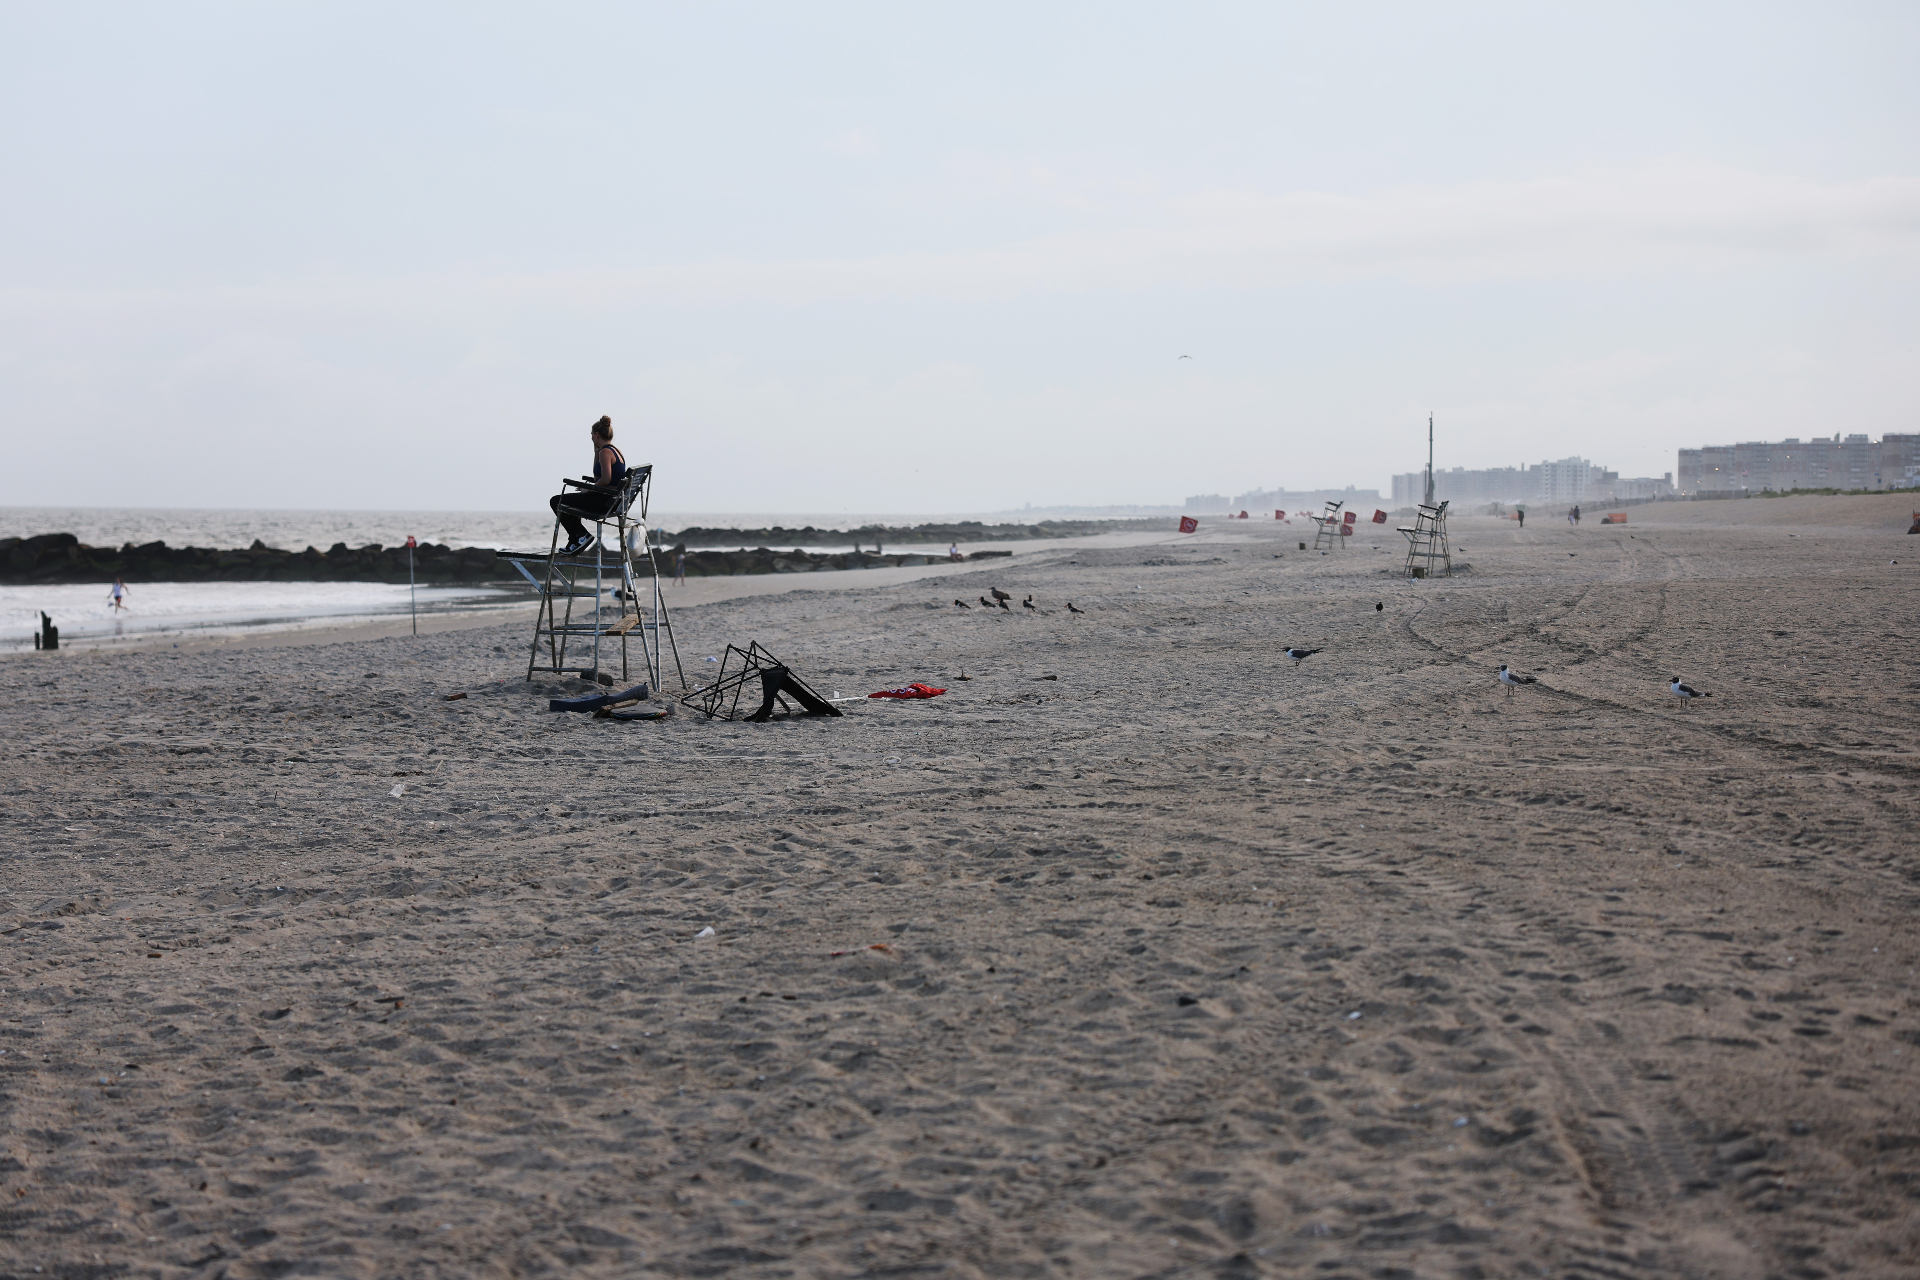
(576, 532)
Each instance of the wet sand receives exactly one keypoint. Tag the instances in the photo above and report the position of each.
(1188, 963)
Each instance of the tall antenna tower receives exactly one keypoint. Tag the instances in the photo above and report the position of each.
(1429, 459)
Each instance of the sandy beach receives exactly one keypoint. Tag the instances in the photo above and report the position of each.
(1138, 953)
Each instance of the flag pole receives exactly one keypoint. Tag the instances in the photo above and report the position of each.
(413, 599)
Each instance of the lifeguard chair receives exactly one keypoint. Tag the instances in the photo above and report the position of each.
(1327, 526)
(1428, 555)
(595, 575)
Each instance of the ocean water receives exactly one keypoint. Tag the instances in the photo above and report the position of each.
(189, 610)
(298, 530)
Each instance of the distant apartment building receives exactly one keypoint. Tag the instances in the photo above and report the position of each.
(1568, 481)
(1257, 500)
(1850, 462)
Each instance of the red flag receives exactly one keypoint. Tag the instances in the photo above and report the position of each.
(1348, 518)
(410, 543)
(1281, 515)
(1379, 516)
(1243, 515)
(1346, 531)
(1188, 524)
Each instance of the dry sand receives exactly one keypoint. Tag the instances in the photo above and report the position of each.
(1194, 964)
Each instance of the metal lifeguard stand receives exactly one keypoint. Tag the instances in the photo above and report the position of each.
(1327, 527)
(1427, 543)
(562, 579)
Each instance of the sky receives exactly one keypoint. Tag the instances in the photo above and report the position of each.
(937, 258)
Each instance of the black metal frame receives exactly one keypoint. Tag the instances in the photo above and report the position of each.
(721, 699)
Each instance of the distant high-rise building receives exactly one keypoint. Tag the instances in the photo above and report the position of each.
(1567, 481)
(1826, 462)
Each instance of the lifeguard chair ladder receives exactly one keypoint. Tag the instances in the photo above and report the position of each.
(1327, 527)
(1427, 544)
(561, 580)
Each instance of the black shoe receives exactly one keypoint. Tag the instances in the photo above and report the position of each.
(576, 546)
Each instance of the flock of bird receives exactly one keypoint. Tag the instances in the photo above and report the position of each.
(1507, 675)
(1000, 599)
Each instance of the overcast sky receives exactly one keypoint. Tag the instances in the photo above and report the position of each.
(815, 258)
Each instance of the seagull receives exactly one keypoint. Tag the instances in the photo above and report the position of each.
(1028, 604)
(961, 604)
(1686, 692)
(1511, 678)
(1299, 655)
(1186, 357)
(985, 603)
(1071, 609)
(998, 594)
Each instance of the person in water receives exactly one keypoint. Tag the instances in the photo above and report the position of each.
(117, 595)
(609, 474)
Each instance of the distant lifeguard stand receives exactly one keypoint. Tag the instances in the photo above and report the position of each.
(1327, 527)
(1428, 555)
(606, 570)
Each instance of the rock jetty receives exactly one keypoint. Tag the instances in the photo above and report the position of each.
(54, 558)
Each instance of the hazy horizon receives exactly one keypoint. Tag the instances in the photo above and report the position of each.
(355, 257)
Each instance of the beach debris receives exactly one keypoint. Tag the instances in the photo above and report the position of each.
(453, 697)
(637, 713)
(1298, 656)
(915, 690)
(1046, 677)
(1686, 692)
(595, 701)
(48, 636)
(1071, 609)
(777, 684)
(371, 675)
(961, 604)
(881, 947)
(705, 933)
(709, 659)
(399, 789)
(1378, 605)
(1511, 679)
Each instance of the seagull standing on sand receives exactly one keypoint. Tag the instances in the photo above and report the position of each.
(1512, 679)
(998, 594)
(1686, 692)
(1299, 655)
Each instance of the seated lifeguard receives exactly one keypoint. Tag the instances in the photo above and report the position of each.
(609, 473)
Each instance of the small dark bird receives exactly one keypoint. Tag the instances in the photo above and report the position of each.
(1028, 604)
(1005, 605)
(1378, 606)
(1300, 655)
(961, 604)
(1071, 609)
(984, 602)
(1186, 357)
(998, 594)
(1511, 679)
(1686, 692)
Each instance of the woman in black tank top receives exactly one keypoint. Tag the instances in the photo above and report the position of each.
(609, 475)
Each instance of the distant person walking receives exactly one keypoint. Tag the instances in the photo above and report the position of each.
(680, 566)
(1576, 515)
(117, 594)
(1521, 512)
